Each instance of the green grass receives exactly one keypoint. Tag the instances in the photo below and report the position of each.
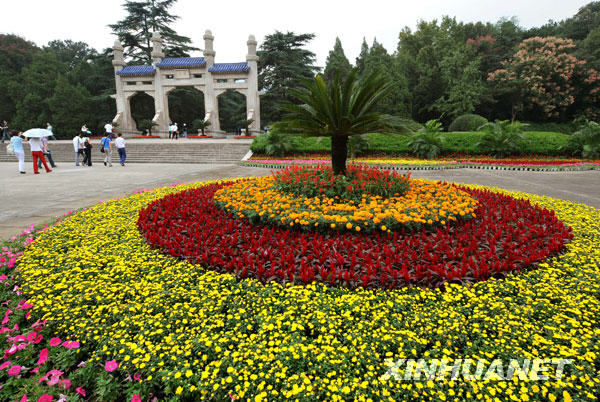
(537, 142)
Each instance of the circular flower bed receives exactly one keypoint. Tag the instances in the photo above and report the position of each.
(292, 199)
(151, 325)
(505, 235)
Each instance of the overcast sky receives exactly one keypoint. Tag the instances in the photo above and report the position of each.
(231, 21)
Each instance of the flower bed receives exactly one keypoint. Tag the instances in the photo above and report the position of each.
(426, 204)
(149, 325)
(244, 137)
(507, 235)
(199, 136)
(460, 161)
(144, 136)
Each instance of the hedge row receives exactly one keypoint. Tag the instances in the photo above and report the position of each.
(538, 142)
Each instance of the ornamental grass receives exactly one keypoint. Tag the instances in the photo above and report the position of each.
(146, 325)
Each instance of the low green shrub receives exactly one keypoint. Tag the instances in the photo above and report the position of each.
(502, 138)
(585, 142)
(467, 122)
(538, 143)
(428, 142)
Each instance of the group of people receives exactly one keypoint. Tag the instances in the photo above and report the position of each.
(37, 146)
(174, 131)
(83, 147)
(81, 144)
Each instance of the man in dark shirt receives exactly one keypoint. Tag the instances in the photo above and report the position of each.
(5, 131)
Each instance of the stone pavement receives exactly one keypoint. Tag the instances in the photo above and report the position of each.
(31, 199)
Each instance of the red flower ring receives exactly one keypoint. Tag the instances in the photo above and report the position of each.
(506, 236)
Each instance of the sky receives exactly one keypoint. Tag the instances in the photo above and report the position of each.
(231, 21)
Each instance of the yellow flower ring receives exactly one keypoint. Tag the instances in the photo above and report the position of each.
(212, 336)
(427, 203)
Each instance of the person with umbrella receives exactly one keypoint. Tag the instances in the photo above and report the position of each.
(35, 144)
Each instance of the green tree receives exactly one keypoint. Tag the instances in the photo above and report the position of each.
(589, 49)
(466, 88)
(69, 107)
(397, 101)
(339, 110)
(143, 18)
(15, 53)
(337, 62)
(361, 60)
(283, 63)
(581, 24)
(33, 88)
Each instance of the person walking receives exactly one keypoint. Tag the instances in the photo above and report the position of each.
(108, 128)
(170, 130)
(84, 128)
(46, 152)
(49, 128)
(184, 130)
(17, 142)
(87, 151)
(107, 147)
(78, 148)
(120, 144)
(36, 153)
(5, 131)
(175, 131)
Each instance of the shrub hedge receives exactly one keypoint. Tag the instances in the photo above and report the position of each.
(538, 142)
(467, 122)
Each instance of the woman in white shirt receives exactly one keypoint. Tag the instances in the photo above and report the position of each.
(36, 153)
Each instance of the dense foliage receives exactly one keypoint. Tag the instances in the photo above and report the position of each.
(427, 142)
(502, 138)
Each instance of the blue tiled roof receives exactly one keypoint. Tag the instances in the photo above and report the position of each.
(229, 67)
(136, 70)
(181, 62)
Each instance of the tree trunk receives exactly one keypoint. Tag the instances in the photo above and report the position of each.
(339, 154)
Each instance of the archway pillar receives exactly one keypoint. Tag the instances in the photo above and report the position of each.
(211, 106)
(161, 106)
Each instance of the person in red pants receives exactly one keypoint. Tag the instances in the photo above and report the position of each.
(37, 153)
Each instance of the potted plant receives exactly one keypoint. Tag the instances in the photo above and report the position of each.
(200, 125)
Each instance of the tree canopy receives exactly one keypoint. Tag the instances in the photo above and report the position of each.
(144, 18)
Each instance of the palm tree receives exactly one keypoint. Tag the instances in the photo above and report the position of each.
(201, 124)
(340, 110)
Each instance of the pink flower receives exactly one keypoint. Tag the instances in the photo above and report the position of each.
(54, 341)
(137, 376)
(66, 383)
(45, 398)
(43, 356)
(111, 366)
(80, 391)
(14, 370)
(38, 339)
(71, 344)
(4, 365)
(81, 364)
(24, 398)
(31, 336)
(136, 398)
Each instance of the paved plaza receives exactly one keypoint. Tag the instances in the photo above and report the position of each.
(31, 199)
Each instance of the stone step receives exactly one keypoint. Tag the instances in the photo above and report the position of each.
(152, 151)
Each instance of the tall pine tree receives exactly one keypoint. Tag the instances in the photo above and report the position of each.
(361, 60)
(337, 62)
(143, 18)
(282, 64)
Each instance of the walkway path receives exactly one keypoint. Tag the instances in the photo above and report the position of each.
(31, 199)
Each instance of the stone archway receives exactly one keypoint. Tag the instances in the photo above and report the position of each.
(185, 104)
(232, 110)
(141, 105)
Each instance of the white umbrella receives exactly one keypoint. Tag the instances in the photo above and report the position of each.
(37, 133)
